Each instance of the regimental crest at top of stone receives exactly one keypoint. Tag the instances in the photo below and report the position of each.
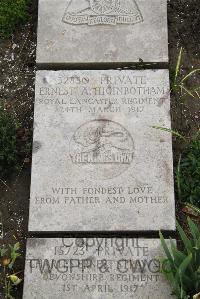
(107, 12)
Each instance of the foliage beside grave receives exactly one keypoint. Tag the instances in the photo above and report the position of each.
(12, 13)
(8, 279)
(15, 144)
(182, 267)
(8, 142)
(188, 173)
(179, 82)
(188, 169)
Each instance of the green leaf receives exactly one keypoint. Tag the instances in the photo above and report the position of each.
(15, 279)
(194, 229)
(178, 65)
(187, 91)
(190, 74)
(186, 241)
(17, 246)
(3, 251)
(193, 208)
(175, 286)
(179, 256)
(178, 177)
(166, 249)
(184, 276)
(169, 131)
(182, 268)
(181, 273)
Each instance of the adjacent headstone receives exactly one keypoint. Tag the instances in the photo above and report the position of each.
(95, 268)
(98, 163)
(98, 31)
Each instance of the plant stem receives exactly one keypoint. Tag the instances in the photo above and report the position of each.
(5, 284)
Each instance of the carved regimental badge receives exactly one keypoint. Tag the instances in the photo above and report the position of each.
(108, 12)
(102, 148)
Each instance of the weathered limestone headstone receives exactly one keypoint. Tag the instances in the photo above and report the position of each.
(93, 31)
(98, 163)
(95, 268)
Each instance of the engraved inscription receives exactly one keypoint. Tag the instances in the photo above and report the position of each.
(137, 196)
(99, 143)
(97, 12)
(98, 268)
(130, 94)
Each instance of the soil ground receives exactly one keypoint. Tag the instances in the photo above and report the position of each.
(17, 73)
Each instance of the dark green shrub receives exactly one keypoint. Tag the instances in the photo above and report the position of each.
(12, 13)
(8, 142)
(188, 174)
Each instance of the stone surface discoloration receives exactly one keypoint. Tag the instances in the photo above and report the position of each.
(95, 268)
(90, 31)
(101, 166)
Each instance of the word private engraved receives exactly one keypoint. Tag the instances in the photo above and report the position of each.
(97, 12)
(103, 147)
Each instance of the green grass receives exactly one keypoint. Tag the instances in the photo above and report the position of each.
(12, 14)
(179, 82)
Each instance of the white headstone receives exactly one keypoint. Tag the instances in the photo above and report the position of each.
(98, 31)
(98, 163)
(95, 268)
